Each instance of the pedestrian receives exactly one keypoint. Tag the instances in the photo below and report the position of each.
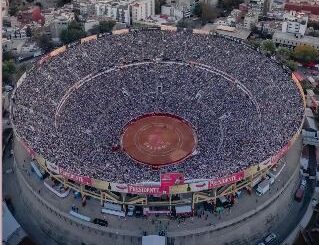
(39, 191)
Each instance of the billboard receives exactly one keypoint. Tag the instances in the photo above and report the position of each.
(280, 154)
(58, 51)
(100, 184)
(226, 180)
(84, 180)
(149, 190)
(89, 38)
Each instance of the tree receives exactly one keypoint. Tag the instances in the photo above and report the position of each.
(283, 53)
(182, 24)
(208, 13)
(28, 31)
(13, 10)
(8, 70)
(197, 10)
(268, 46)
(72, 33)
(60, 3)
(106, 26)
(44, 43)
(229, 5)
(291, 64)
(305, 53)
(7, 55)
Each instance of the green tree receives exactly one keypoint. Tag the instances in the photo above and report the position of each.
(60, 3)
(72, 33)
(208, 13)
(268, 46)
(198, 10)
(182, 24)
(8, 71)
(305, 53)
(13, 10)
(291, 64)
(44, 42)
(28, 31)
(283, 53)
(106, 26)
(7, 55)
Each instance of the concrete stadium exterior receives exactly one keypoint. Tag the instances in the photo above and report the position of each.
(190, 192)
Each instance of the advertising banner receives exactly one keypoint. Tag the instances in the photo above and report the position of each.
(280, 154)
(199, 31)
(58, 51)
(84, 180)
(100, 184)
(168, 28)
(122, 31)
(199, 186)
(119, 187)
(89, 38)
(226, 180)
(149, 190)
(28, 149)
(170, 179)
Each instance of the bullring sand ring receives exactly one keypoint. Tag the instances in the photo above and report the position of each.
(159, 139)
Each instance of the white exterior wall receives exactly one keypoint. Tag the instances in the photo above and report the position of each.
(141, 10)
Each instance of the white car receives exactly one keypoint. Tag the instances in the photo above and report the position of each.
(130, 210)
(303, 182)
(270, 238)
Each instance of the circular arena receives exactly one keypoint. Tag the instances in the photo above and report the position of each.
(142, 111)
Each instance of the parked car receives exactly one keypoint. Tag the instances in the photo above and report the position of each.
(100, 222)
(130, 210)
(270, 238)
(303, 183)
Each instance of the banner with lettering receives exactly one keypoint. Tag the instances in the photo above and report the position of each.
(84, 180)
(172, 178)
(226, 180)
(149, 190)
(280, 153)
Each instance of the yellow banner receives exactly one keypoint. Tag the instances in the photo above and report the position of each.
(88, 39)
(100, 184)
(58, 51)
(175, 189)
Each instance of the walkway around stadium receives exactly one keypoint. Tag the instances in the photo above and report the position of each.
(246, 214)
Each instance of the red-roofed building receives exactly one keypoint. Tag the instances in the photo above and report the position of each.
(302, 7)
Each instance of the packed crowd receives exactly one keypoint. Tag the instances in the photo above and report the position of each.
(141, 72)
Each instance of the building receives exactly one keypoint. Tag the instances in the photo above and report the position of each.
(290, 40)
(142, 9)
(295, 23)
(260, 7)
(116, 10)
(303, 6)
(58, 24)
(14, 33)
(250, 20)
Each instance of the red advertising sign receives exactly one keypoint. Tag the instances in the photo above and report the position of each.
(280, 153)
(84, 180)
(28, 149)
(151, 190)
(169, 179)
(226, 180)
